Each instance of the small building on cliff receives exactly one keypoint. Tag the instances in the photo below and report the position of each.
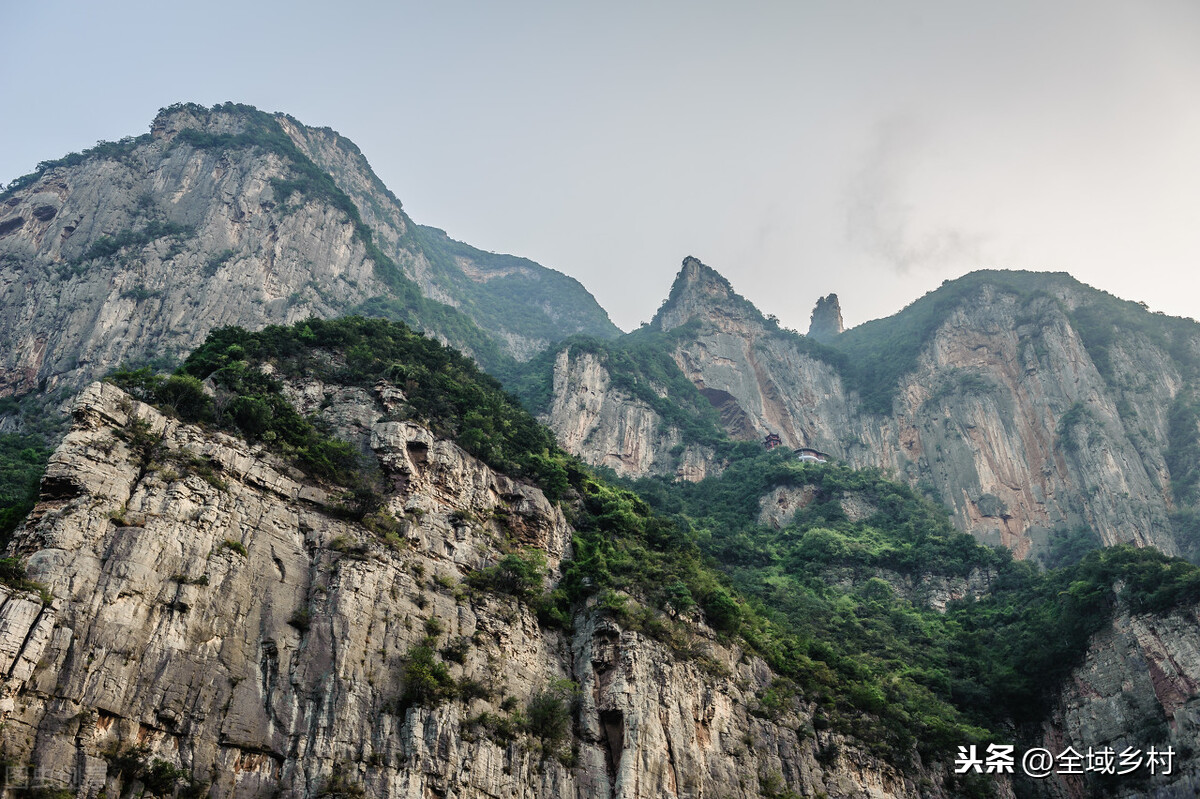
(810, 455)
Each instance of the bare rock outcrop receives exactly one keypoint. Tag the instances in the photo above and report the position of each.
(607, 427)
(1005, 405)
(1138, 689)
(826, 319)
(134, 251)
(209, 608)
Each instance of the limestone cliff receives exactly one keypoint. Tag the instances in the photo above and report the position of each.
(1139, 688)
(1005, 412)
(229, 216)
(213, 610)
(615, 429)
(826, 319)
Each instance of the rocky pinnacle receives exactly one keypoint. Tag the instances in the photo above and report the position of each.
(826, 319)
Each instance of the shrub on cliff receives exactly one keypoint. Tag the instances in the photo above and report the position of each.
(426, 681)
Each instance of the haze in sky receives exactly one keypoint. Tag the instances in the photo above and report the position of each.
(869, 149)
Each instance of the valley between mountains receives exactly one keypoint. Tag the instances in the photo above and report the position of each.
(303, 498)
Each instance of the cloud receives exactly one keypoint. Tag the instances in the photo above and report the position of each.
(883, 219)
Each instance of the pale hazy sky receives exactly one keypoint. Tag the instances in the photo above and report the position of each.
(868, 148)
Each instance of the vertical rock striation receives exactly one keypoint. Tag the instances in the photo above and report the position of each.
(617, 430)
(1021, 427)
(826, 319)
(212, 610)
(134, 251)
(1138, 689)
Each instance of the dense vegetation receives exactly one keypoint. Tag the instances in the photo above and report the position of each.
(23, 456)
(22, 461)
(445, 391)
(848, 592)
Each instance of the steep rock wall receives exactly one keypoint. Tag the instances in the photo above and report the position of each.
(211, 608)
(137, 250)
(1006, 416)
(1138, 688)
(236, 257)
(607, 427)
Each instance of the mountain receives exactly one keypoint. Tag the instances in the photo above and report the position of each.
(335, 558)
(134, 250)
(1034, 406)
(213, 616)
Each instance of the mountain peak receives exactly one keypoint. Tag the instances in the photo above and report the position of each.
(696, 291)
(225, 118)
(696, 277)
(826, 319)
(288, 221)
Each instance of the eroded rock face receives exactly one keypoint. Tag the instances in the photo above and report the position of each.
(229, 253)
(1005, 408)
(826, 319)
(1138, 688)
(210, 605)
(778, 506)
(137, 254)
(607, 427)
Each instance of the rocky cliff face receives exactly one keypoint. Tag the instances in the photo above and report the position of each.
(1139, 688)
(615, 429)
(229, 216)
(205, 244)
(826, 319)
(211, 609)
(1005, 414)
